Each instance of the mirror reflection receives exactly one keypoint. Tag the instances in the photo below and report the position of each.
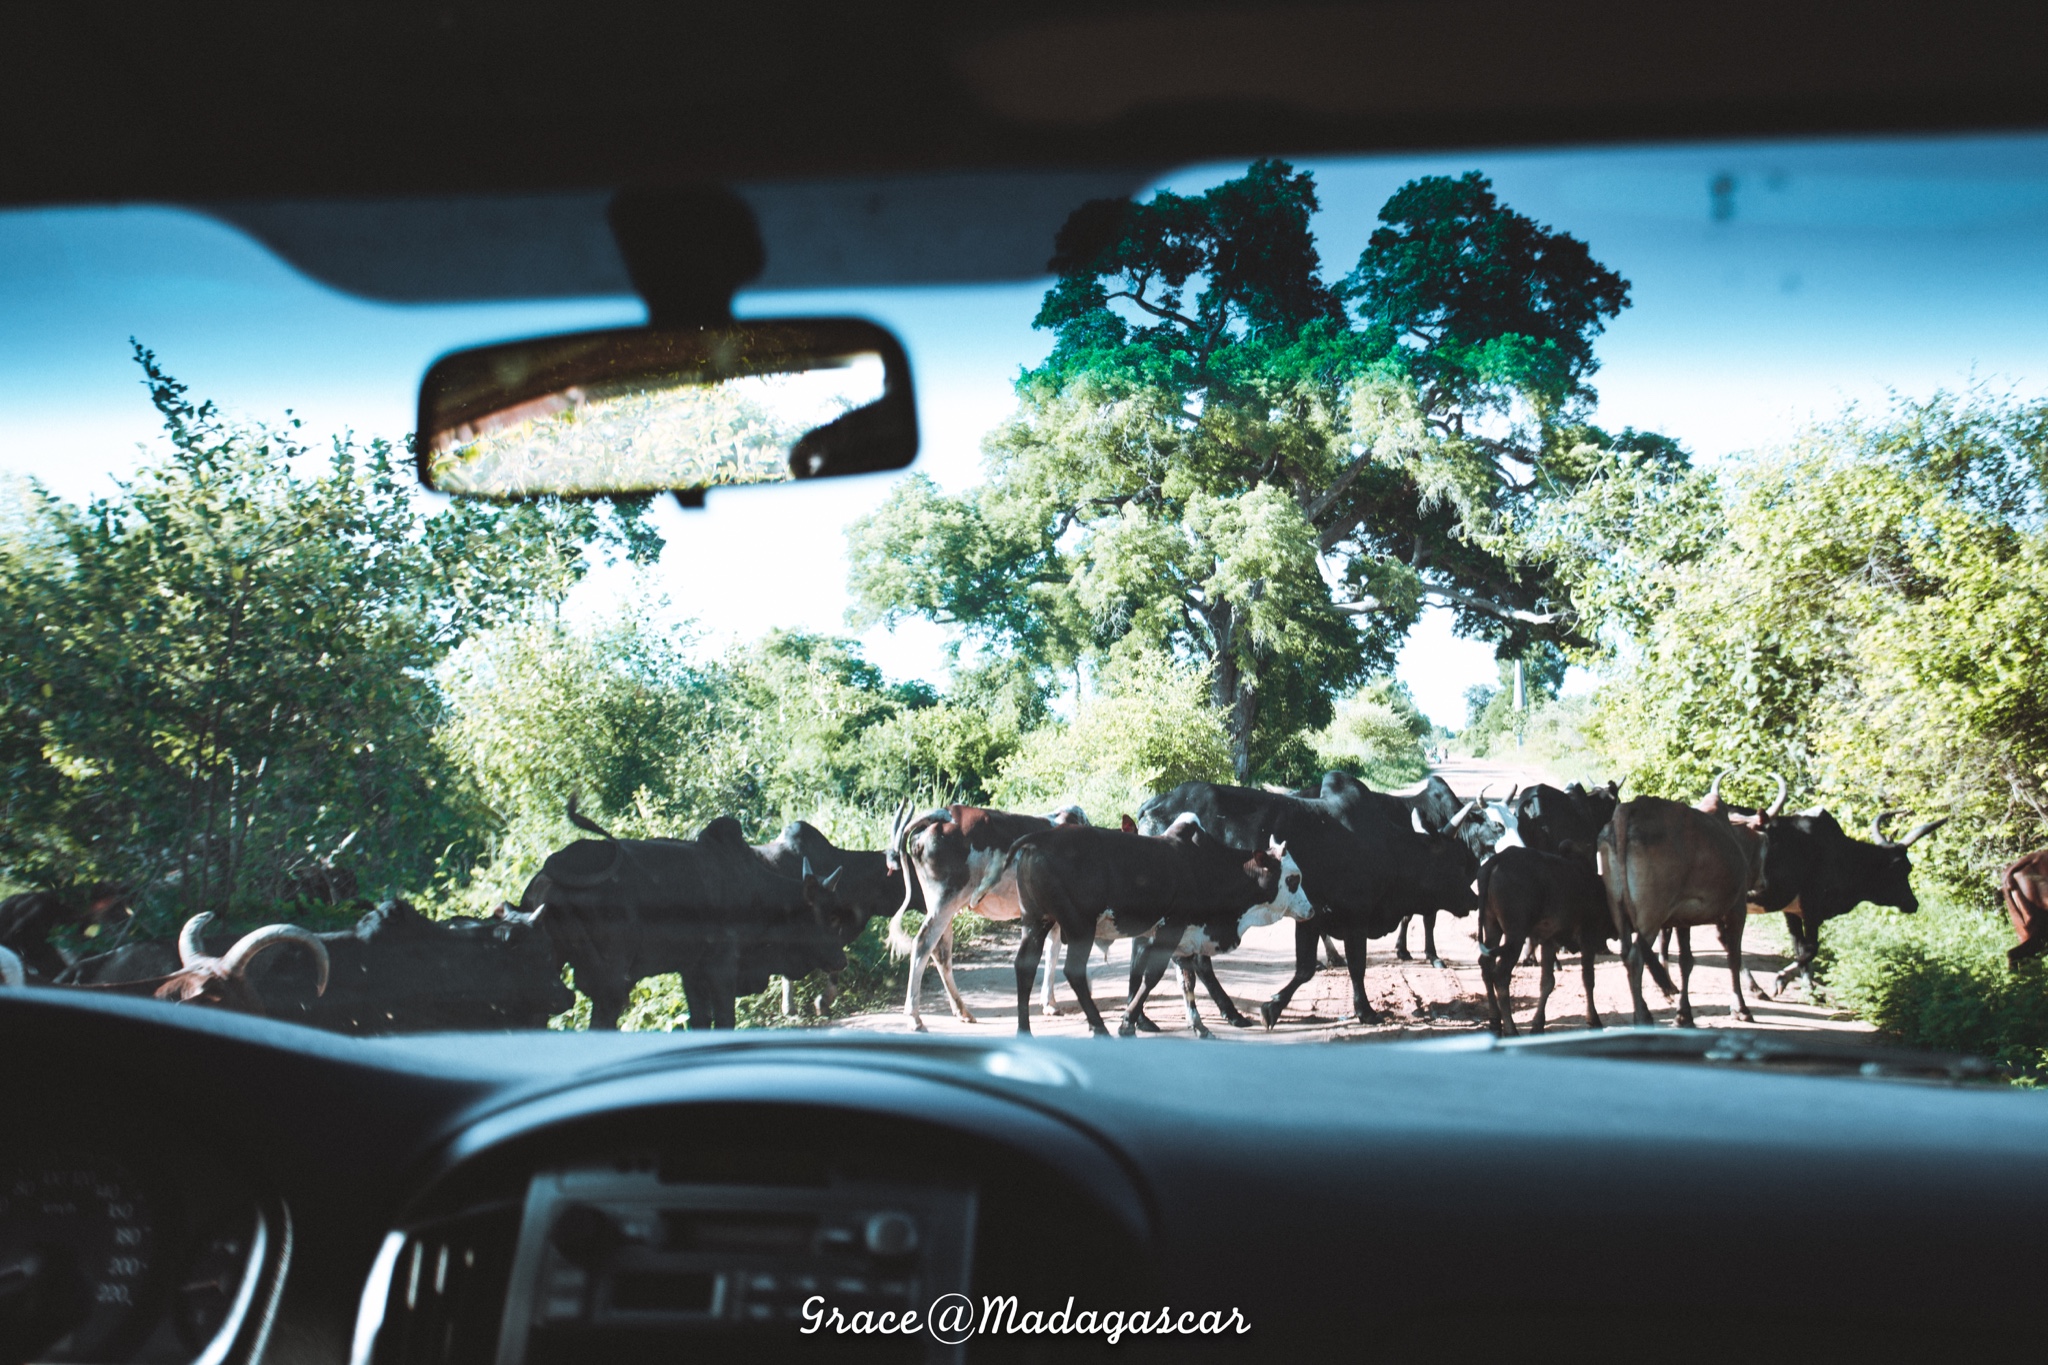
(651, 432)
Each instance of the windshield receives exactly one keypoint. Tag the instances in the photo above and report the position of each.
(1417, 551)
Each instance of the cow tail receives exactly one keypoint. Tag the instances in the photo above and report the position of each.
(902, 944)
(585, 823)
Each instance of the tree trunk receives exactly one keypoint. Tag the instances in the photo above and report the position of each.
(1244, 714)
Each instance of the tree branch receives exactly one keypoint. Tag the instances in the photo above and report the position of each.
(1167, 314)
(1368, 606)
(1339, 486)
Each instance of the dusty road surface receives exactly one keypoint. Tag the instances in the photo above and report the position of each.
(1413, 998)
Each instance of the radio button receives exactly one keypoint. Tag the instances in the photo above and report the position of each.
(891, 1234)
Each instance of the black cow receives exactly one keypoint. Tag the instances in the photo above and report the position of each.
(1548, 818)
(1553, 900)
(711, 909)
(27, 920)
(1815, 871)
(1340, 875)
(1155, 885)
(847, 888)
(396, 972)
(1363, 882)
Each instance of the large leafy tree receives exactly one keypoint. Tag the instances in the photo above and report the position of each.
(1232, 461)
(218, 678)
(1863, 612)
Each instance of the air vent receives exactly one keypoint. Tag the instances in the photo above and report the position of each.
(443, 1291)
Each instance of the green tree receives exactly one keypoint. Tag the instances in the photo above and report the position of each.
(1228, 461)
(218, 676)
(1865, 614)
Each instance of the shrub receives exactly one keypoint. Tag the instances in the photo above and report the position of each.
(1377, 733)
(1151, 728)
(1938, 979)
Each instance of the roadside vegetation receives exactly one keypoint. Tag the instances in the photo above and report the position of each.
(270, 681)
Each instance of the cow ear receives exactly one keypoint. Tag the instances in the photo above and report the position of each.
(1279, 848)
(502, 933)
(1130, 826)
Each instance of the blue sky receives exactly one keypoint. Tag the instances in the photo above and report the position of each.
(1772, 284)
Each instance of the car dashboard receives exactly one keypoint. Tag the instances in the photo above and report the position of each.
(189, 1186)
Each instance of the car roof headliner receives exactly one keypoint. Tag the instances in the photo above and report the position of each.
(465, 150)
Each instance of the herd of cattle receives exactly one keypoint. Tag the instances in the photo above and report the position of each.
(1549, 870)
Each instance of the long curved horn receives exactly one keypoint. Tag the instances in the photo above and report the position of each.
(235, 961)
(1481, 798)
(1415, 819)
(12, 972)
(190, 948)
(1777, 807)
(1877, 826)
(1714, 790)
(1463, 811)
(1921, 831)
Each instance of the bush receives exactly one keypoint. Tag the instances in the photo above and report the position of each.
(1938, 979)
(1150, 729)
(1377, 733)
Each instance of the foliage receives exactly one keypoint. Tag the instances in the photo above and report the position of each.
(1150, 729)
(1228, 461)
(1869, 620)
(1377, 734)
(214, 681)
(1938, 979)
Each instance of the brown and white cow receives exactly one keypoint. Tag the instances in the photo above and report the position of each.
(2025, 887)
(952, 852)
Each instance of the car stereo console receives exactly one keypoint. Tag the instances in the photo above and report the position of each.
(615, 1262)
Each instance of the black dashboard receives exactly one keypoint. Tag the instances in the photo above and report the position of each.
(184, 1186)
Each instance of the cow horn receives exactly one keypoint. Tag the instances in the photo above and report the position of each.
(1777, 807)
(1714, 789)
(1464, 811)
(235, 961)
(809, 875)
(1921, 831)
(1877, 826)
(1481, 798)
(12, 972)
(190, 949)
(1415, 819)
(831, 877)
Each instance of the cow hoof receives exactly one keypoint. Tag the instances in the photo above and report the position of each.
(1238, 1020)
(1402, 955)
(1645, 1019)
(1745, 1016)
(1143, 1024)
(1437, 962)
(917, 1025)
(1201, 1032)
(1269, 1013)
(1364, 1016)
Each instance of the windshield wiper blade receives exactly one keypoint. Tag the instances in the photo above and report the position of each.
(1768, 1049)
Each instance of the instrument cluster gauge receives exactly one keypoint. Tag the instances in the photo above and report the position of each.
(207, 1288)
(77, 1242)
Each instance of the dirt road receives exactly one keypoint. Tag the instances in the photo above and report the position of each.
(1413, 998)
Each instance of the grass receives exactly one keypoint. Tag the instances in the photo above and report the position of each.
(1938, 979)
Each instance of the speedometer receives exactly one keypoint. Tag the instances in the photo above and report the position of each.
(76, 1240)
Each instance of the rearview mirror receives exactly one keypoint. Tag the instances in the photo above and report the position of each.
(644, 410)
